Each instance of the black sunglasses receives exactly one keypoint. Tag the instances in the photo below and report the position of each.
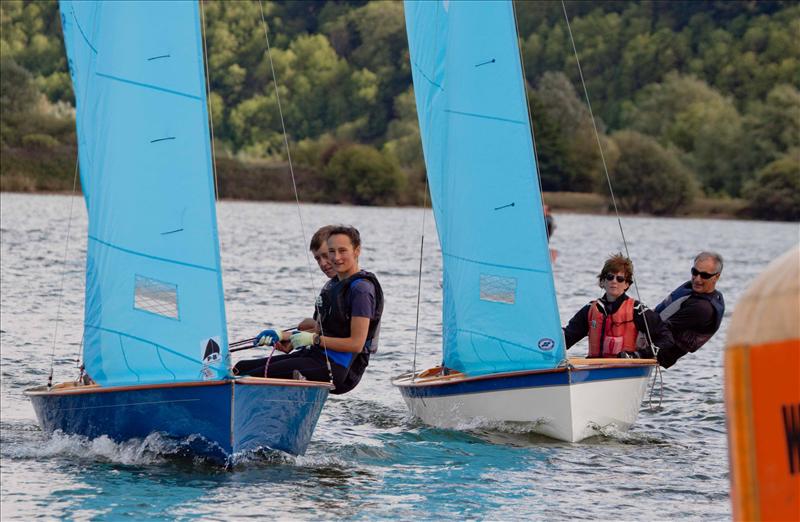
(619, 278)
(704, 275)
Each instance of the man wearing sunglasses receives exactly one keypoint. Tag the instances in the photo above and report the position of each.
(694, 310)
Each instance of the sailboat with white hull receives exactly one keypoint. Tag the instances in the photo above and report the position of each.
(155, 341)
(504, 358)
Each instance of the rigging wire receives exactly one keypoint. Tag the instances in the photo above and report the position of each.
(208, 103)
(419, 280)
(605, 170)
(294, 185)
(78, 361)
(63, 276)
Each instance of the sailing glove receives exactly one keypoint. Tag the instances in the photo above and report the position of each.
(267, 338)
(302, 339)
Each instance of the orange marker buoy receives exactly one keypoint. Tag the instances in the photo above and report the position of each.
(762, 394)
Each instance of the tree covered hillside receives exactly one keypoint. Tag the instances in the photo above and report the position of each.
(691, 98)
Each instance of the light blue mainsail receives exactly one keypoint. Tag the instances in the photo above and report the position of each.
(154, 307)
(500, 312)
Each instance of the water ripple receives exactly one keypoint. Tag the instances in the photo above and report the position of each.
(369, 459)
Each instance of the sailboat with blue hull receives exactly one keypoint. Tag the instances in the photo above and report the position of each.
(504, 358)
(155, 341)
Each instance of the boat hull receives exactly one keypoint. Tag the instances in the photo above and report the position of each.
(231, 416)
(569, 403)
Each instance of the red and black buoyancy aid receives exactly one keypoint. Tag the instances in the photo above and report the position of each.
(611, 334)
(335, 316)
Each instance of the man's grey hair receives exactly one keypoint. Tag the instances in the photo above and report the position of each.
(710, 255)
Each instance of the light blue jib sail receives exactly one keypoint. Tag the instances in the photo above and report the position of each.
(154, 298)
(500, 312)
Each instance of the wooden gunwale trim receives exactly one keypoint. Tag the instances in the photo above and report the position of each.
(617, 363)
(94, 388)
(575, 364)
(262, 381)
(440, 380)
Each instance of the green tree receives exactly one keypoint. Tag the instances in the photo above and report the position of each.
(323, 92)
(256, 127)
(559, 105)
(373, 38)
(360, 174)
(404, 142)
(773, 126)
(18, 92)
(775, 192)
(716, 82)
(30, 33)
(648, 178)
(27, 120)
(624, 46)
(703, 125)
(551, 150)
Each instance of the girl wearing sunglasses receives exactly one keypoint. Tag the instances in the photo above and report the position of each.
(615, 323)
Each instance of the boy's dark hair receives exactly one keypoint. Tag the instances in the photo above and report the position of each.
(320, 237)
(351, 232)
(617, 263)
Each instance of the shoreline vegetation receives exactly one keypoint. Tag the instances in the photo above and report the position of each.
(696, 104)
(42, 170)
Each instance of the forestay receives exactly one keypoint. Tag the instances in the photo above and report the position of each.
(154, 299)
(500, 311)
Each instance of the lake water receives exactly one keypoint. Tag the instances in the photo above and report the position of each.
(368, 459)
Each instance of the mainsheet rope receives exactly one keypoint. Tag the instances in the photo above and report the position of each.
(294, 188)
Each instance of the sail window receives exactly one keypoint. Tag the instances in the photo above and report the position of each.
(498, 289)
(156, 297)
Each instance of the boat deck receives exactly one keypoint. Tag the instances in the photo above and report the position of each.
(436, 375)
(70, 388)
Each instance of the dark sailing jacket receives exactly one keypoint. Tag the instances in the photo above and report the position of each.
(692, 318)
